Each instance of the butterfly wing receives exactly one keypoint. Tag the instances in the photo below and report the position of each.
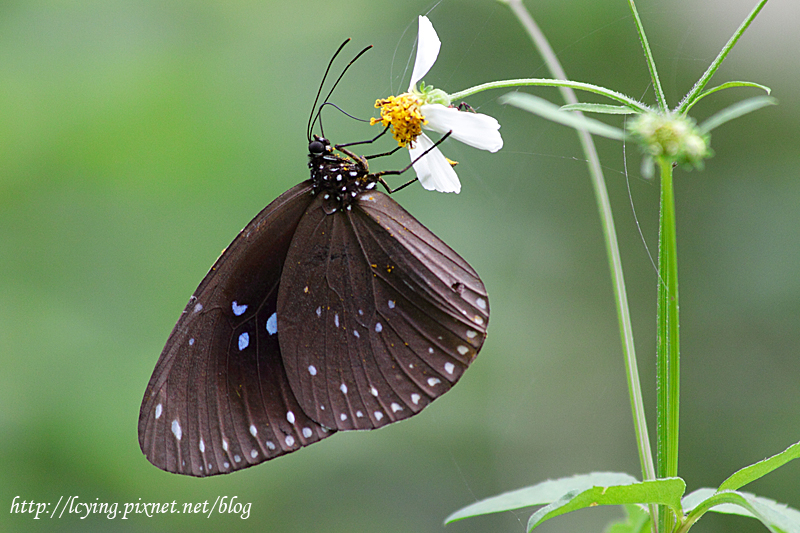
(219, 399)
(377, 316)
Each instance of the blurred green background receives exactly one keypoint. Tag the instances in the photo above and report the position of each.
(137, 138)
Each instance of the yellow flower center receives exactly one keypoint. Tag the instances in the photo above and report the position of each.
(402, 114)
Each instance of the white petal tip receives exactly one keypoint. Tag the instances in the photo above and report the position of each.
(428, 45)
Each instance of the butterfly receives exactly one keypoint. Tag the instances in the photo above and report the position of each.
(334, 309)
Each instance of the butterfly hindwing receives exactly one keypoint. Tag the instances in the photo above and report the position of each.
(377, 316)
(219, 399)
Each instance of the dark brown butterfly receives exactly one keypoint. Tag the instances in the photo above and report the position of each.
(333, 309)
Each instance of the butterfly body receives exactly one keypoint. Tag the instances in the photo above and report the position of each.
(333, 309)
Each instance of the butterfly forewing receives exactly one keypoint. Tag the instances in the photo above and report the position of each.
(219, 399)
(377, 316)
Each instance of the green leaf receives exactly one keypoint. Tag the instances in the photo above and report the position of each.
(637, 520)
(735, 111)
(666, 491)
(689, 99)
(550, 111)
(701, 496)
(728, 85)
(777, 517)
(540, 494)
(751, 473)
(600, 108)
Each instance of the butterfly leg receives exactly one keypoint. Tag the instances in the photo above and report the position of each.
(382, 173)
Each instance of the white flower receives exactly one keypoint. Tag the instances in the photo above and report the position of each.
(428, 108)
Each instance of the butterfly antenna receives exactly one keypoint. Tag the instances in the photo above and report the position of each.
(319, 91)
(362, 52)
(343, 112)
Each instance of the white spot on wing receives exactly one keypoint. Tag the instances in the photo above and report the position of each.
(202, 446)
(343, 417)
(471, 334)
(198, 307)
(396, 407)
(391, 304)
(374, 391)
(357, 334)
(270, 445)
(433, 381)
(176, 429)
(225, 444)
(244, 341)
(319, 311)
(253, 430)
(191, 342)
(289, 440)
(449, 367)
(159, 409)
(290, 417)
(236, 458)
(359, 414)
(462, 349)
(378, 415)
(238, 310)
(254, 454)
(343, 388)
(312, 370)
(272, 324)
(378, 327)
(336, 319)
(481, 303)
(307, 433)
(478, 320)
(415, 398)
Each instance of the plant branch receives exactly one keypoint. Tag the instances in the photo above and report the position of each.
(648, 56)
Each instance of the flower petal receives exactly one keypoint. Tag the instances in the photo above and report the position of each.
(433, 170)
(475, 129)
(428, 45)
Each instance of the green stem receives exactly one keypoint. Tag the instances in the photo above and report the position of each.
(612, 249)
(668, 359)
(696, 91)
(651, 63)
(543, 82)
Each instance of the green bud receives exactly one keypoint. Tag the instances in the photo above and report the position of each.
(674, 138)
(430, 95)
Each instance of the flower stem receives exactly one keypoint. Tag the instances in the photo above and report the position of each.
(648, 56)
(667, 352)
(612, 247)
(543, 82)
(697, 90)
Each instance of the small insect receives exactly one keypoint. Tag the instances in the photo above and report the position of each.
(332, 310)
